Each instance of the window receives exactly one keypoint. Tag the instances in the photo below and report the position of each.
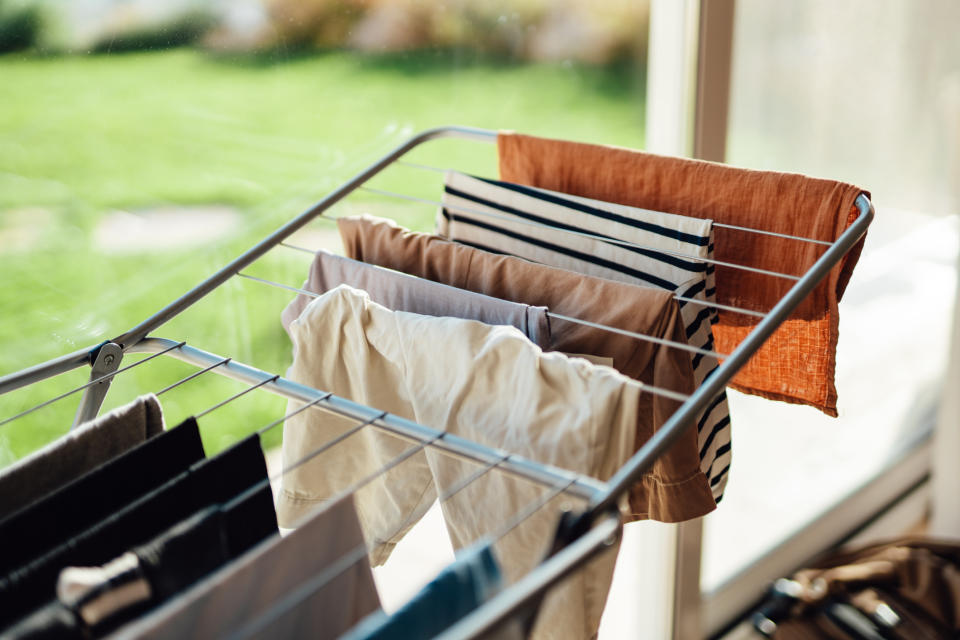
(868, 96)
(143, 145)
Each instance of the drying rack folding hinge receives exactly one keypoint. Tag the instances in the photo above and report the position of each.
(104, 361)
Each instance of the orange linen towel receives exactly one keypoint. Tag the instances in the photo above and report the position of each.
(798, 362)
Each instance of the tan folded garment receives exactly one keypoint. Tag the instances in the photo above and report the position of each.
(798, 362)
(675, 489)
(78, 452)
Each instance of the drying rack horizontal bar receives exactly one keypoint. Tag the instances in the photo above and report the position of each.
(50, 368)
(99, 379)
(581, 486)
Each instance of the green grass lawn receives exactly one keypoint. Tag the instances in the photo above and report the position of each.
(81, 137)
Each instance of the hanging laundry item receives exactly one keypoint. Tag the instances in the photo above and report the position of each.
(798, 362)
(488, 384)
(402, 292)
(676, 488)
(79, 451)
(248, 588)
(55, 519)
(497, 216)
(212, 481)
(472, 579)
(92, 600)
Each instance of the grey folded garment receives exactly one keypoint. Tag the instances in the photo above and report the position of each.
(81, 450)
(90, 598)
(403, 292)
(93, 600)
(310, 565)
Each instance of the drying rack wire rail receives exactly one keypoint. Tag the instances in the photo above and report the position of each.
(596, 529)
(580, 486)
(88, 356)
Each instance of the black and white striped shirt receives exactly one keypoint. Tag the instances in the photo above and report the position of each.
(606, 240)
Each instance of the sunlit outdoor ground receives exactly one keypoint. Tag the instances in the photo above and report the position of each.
(126, 179)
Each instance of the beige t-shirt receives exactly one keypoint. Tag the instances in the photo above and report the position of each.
(488, 384)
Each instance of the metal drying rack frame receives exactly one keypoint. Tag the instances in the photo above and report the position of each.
(596, 526)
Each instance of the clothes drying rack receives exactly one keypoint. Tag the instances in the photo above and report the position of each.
(580, 536)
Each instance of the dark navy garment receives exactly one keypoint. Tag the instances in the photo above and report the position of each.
(472, 579)
(53, 622)
(163, 567)
(208, 482)
(51, 521)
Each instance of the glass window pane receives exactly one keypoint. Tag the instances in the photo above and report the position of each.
(867, 93)
(143, 145)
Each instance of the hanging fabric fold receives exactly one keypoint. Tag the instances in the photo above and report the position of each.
(58, 517)
(797, 364)
(239, 592)
(92, 600)
(650, 256)
(83, 449)
(208, 482)
(308, 294)
(676, 489)
(489, 384)
(459, 589)
(402, 292)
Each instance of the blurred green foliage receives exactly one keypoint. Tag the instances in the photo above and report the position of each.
(84, 136)
(519, 30)
(581, 31)
(20, 25)
(179, 30)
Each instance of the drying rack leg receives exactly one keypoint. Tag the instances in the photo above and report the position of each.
(106, 362)
(687, 551)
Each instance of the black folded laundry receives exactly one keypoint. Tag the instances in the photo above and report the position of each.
(50, 522)
(209, 482)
